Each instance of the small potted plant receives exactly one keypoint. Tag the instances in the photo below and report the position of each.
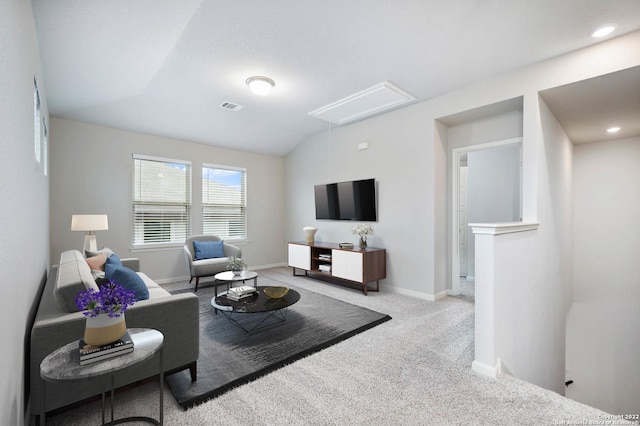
(362, 230)
(236, 265)
(105, 310)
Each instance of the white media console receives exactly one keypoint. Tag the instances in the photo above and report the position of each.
(355, 265)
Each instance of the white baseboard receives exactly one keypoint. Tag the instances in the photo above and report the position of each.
(269, 266)
(484, 369)
(419, 295)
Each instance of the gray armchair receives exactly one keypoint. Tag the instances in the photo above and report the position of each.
(207, 267)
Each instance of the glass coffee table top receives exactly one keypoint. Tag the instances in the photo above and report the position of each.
(254, 304)
(259, 304)
(230, 276)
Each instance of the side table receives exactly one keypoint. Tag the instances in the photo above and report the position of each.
(64, 364)
(230, 278)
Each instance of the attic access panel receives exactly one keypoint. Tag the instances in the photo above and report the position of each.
(374, 100)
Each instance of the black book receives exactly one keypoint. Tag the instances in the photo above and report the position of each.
(88, 351)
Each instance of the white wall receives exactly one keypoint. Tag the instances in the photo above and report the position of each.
(24, 203)
(398, 163)
(603, 341)
(91, 169)
(536, 272)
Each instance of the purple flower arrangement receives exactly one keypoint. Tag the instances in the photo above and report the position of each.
(112, 299)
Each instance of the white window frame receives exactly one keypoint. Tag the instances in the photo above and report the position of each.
(137, 234)
(242, 205)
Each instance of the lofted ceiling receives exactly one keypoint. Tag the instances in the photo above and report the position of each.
(163, 67)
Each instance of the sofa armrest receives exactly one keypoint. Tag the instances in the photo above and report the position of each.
(178, 318)
(131, 263)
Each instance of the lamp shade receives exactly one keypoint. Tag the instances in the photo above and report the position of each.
(89, 222)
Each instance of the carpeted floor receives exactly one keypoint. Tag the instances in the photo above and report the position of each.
(230, 357)
(412, 370)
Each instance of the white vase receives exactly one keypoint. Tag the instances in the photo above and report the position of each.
(311, 232)
(102, 329)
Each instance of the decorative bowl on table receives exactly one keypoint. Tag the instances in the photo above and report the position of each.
(276, 292)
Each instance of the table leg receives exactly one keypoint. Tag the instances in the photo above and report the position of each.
(111, 400)
(43, 409)
(161, 384)
(102, 394)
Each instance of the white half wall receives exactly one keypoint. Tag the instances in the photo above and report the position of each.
(91, 169)
(24, 203)
(603, 341)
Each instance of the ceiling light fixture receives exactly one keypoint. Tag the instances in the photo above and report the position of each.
(614, 129)
(603, 31)
(259, 85)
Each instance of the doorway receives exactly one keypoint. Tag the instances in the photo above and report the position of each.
(486, 182)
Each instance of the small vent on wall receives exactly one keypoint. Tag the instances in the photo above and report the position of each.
(231, 106)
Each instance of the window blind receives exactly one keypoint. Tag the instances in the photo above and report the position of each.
(224, 202)
(161, 201)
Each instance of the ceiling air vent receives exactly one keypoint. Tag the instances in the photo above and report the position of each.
(231, 106)
(374, 100)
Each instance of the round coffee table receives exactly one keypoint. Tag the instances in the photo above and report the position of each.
(259, 303)
(230, 278)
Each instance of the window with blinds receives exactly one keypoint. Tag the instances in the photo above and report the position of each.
(161, 201)
(224, 202)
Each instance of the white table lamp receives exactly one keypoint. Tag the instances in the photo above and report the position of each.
(89, 223)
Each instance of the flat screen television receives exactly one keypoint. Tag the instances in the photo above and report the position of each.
(352, 200)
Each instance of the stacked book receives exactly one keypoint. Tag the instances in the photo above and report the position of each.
(90, 354)
(324, 268)
(326, 257)
(242, 292)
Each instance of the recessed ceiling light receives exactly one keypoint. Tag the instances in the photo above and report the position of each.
(614, 129)
(259, 85)
(603, 31)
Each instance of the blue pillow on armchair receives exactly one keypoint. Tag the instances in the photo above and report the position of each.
(113, 260)
(128, 279)
(208, 249)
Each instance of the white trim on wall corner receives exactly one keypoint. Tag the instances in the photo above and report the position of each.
(503, 228)
(484, 369)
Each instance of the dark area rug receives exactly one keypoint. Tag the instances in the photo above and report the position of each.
(230, 357)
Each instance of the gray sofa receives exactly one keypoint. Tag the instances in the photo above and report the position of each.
(207, 267)
(57, 323)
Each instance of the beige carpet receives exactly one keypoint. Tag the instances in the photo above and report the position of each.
(413, 370)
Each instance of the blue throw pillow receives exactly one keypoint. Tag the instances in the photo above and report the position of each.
(208, 249)
(128, 279)
(113, 260)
